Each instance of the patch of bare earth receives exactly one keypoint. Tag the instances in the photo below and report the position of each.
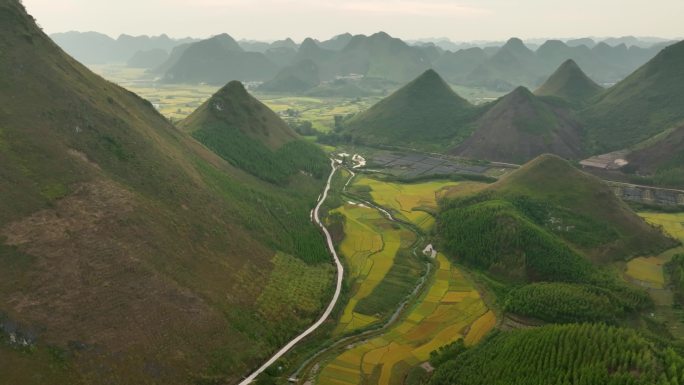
(88, 283)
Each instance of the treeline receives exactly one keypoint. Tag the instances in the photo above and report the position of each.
(508, 239)
(577, 354)
(279, 217)
(572, 303)
(255, 158)
(675, 268)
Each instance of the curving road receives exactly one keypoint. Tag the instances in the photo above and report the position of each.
(333, 301)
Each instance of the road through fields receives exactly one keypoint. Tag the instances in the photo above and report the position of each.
(338, 288)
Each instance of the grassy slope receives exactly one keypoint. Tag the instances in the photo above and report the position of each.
(521, 126)
(426, 111)
(296, 78)
(644, 104)
(555, 182)
(128, 238)
(249, 135)
(548, 222)
(233, 106)
(662, 161)
(569, 82)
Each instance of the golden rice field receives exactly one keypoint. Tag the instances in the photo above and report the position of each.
(450, 309)
(649, 270)
(408, 201)
(369, 248)
(672, 223)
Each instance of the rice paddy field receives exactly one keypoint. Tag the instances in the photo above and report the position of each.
(370, 246)
(450, 309)
(409, 202)
(649, 270)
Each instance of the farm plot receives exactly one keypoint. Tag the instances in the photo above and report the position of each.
(672, 223)
(410, 202)
(370, 247)
(450, 309)
(320, 111)
(649, 270)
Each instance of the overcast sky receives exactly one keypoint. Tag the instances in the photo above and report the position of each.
(274, 19)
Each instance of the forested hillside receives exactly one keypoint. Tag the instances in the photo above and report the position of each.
(584, 354)
(129, 252)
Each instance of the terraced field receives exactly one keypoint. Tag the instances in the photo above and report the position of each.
(649, 270)
(409, 202)
(370, 248)
(450, 309)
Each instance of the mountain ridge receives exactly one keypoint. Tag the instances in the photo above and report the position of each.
(130, 239)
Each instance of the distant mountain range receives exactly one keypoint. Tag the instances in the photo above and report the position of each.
(98, 48)
(568, 115)
(218, 60)
(498, 66)
(515, 64)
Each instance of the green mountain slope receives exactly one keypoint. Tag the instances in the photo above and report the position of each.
(548, 206)
(246, 133)
(644, 104)
(569, 82)
(512, 65)
(549, 222)
(569, 354)
(555, 182)
(662, 160)
(296, 78)
(521, 126)
(129, 253)
(425, 111)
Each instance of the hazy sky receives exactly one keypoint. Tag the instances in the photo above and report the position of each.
(274, 19)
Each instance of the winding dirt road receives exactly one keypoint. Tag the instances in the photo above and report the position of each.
(333, 301)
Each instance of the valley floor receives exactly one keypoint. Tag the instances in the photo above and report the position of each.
(398, 312)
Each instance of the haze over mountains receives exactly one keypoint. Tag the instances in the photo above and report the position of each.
(502, 66)
(97, 48)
